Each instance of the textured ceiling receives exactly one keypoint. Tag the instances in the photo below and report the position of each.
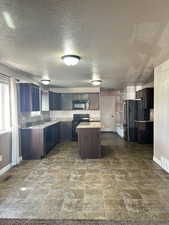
(119, 41)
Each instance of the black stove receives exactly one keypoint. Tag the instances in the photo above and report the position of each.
(77, 119)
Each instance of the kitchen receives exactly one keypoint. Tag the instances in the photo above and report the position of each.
(66, 109)
(65, 112)
(67, 143)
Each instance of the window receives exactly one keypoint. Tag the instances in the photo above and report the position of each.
(4, 105)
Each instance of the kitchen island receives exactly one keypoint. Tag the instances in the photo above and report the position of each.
(89, 140)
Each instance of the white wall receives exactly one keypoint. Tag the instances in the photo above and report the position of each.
(9, 141)
(68, 115)
(148, 85)
(77, 90)
(161, 115)
(130, 93)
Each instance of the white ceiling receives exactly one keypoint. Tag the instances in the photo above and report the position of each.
(120, 41)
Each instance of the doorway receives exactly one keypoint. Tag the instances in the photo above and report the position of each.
(107, 103)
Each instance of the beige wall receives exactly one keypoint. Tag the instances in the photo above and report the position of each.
(5, 149)
(6, 138)
(119, 116)
(161, 115)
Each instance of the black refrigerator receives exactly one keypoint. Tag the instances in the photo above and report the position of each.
(133, 111)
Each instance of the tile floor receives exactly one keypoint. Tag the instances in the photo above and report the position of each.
(124, 185)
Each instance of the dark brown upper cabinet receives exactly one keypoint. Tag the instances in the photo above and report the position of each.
(94, 101)
(147, 96)
(29, 97)
(66, 101)
(54, 101)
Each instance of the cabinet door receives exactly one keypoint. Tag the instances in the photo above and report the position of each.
(144, 94)
(149, 102)
(66, 101)
(51, 100)
(148, 98)
(57, 133)
(93, 101)
(139, 94)
(151, 98)
(80, 96)
(24, 92)
(29, 97)
(66, 131)
(54, 101)
(53, 135)
(35, 98)
(32, 143)
(47, 140)
(57, 101)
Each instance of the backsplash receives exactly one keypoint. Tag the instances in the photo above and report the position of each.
(69, 114)
(32, 117)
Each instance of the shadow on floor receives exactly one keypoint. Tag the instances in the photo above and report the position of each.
(106, 150)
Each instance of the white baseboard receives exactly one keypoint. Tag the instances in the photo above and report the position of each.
(156, 160)
(163, 163)
(9, 166)
(20, 158)
(120, 132)
(5, 169)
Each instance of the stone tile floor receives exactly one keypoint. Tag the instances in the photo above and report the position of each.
(123, 185)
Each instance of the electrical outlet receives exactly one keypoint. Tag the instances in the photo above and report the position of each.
(0, 158)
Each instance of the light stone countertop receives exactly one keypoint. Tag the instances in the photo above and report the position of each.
(43, 125)
(52, 122)
(89, 125)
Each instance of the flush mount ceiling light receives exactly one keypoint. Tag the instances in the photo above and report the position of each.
(96, 82)
(45, 82)
(8, 20)
(71, 60)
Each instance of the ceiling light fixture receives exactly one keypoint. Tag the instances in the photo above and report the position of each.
(96, 82)
(23, 188)
(8, 20)
(71, 60)
(45, 82)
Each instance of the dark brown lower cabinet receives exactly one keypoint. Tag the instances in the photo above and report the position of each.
(36, 143)
(51, 137)
(89, 143)
(144, 132)
(66, 131)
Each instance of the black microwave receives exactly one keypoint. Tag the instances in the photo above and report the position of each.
(80, 104)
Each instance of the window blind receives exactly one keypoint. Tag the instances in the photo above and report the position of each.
(4, 79)
(4, 103)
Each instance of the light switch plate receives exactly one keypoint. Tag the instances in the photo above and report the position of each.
(0, 158)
